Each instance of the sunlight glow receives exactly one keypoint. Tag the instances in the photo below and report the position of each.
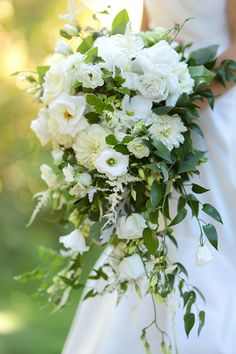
(10, 322)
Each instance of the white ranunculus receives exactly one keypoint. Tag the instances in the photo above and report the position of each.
(89, 144)
(137, 107)
(40, 126)
(74, 241)
(112, 163)
(69, 173)
(138, 148)
(131, 268)
(48, 175)
(130, 227)
(63, 48)
(168, 129)
(203, 255)
(89, 75)
(68, 112)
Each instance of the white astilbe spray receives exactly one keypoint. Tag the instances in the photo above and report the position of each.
(42, 200)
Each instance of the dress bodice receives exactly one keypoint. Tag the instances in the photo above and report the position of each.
(208, 26)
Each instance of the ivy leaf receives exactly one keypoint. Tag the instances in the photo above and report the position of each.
(189, 321)
(98, 104)
(212, 211)
(150, 240)
(92, 117)
(199, 189)
(179, 217)
(157, 192)
(161, 150)
(120, 22)
(204, 55)
(201, 317)
(211, 234)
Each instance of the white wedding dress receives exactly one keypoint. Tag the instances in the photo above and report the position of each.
(102, 328)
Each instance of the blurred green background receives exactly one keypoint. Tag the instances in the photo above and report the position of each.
(28, 31)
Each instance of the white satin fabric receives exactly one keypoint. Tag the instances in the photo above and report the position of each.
(102, 328)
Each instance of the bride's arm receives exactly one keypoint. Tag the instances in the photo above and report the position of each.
(144, 25)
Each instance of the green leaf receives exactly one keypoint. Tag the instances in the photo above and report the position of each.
(92, 117)
(191, 160)
(150, 240)
(122, 149)
(157, 192)
(162, 110)
(199, 189)
(179, 217)
(98, 104)
(64, 34)
(41, 70)
(120, 22)
(164, 347)
(201, 317)
(196, 128)
(89, 294)
(211, 234)
(95, 230)
(161, 150)
(111, 139)
(189, 321)
(204, 55)
(86, 45)
(212, 211)
(201, 75)
(91, 55)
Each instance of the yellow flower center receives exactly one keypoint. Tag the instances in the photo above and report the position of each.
(111, 161)
(67, 115)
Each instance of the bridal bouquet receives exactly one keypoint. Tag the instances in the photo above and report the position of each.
(119, 112)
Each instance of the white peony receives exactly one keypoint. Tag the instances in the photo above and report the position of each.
(138, 148)
(81, 188)
(112, 163)
(137, 107)
(168, 129)
(67, 111)
(131, 268)
(131, 227)
(90, 75)
(69, 173)
(48, 175)
(74, 241)
(40, 126)
(62, 48)
(89, 144)
(203, 255)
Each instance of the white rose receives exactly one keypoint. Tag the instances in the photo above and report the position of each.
(138, 148)
(40, 126)
(203, 255)
(62, 48)
(112, 163)
(74, 241)
(68, 112)
(137, 107)
(90, 75)
(69, 173)
(131, 268)
(130, 227)
(48, 175)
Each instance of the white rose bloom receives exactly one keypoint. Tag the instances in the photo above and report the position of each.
(62, 48)
(57, 80)
(137, 107)
(131, 227)
(48, 175)
(40, 126)
(168, 129)
(131, 268)
(203, 255)
(69, 173)
(185, 81)
(90, 75)
(112, 163)
(74, 241)
(68, 112)
(138, 148)
(89, 144)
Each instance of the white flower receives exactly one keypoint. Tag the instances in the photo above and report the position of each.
(57, 155)
(69, 173)
(203, 255)
(137, 107)
(62, 48)
(138, 148)
(71, 30)
(67, 111)
(131, 80)
(75, 241)
(130, 227)
(131, 268)
(90, 75)
(168, 130)
(40, 126)
(185, 81)
(80, 190)
(112, 163)
(89, 144)
(57, 80)
(48, 175)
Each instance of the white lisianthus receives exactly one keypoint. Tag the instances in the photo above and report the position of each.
(131, 227)
(168, 129)
(74, 241)
(81, 188)
(63, 48)
(69, 173)
(68, 112)
(48, 175)
(40, 126)
(90, 75)
(203, 255)
(112, 163)
(138, 148)
(137, 107)
(131, 268)
(89, 144)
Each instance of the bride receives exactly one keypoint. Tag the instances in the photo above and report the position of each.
(100, 327)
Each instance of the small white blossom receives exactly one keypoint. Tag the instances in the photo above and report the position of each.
(69, 173)
(48, 175)
(130, 227)
(203, 255)
(74, 241)
(90, 75)
(62, 48)
(137, 107)
(40, 126)
(80, 190)
(57, 155)
(131, 268)
(138, 148)
(112, 163)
